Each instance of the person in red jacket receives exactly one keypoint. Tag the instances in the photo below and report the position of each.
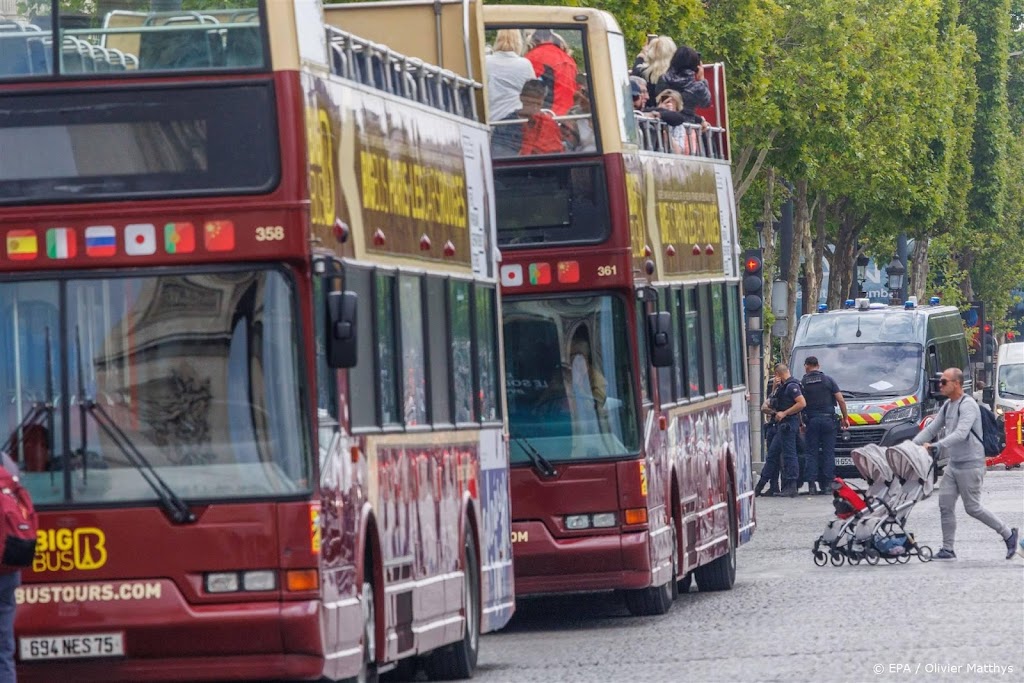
(553, 65)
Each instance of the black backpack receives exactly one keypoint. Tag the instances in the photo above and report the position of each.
(991, 435)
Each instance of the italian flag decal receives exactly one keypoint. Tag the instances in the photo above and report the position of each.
(60, 243)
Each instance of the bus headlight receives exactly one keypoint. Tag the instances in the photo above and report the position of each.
(904, 414)
(577, 522)
(604, 520)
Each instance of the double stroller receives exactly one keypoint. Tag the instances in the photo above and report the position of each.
(870, 525)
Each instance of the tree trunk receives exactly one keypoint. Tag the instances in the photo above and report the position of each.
(966, 261)
(919, 268)
(768, 256)
(841, 274)
(816, 254)
(801, 244)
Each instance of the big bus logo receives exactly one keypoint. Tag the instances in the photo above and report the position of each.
(63, 550)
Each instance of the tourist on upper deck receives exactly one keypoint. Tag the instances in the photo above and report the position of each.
(638, 89)
(507, 72)
(686, 77)
(653, 62)
(536, 131)
(684, 138)
(552, 64)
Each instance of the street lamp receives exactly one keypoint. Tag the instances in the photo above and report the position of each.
(862, 274)
(895, 271)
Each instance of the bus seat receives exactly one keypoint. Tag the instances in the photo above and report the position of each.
(34, 444)
(184, 48)
(15, 59)
(243, 48)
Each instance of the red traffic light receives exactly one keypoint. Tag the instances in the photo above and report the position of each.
(752, 265)
(988, 328)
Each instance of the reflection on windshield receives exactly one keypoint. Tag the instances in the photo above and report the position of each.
(1011, 380)
(199, 372)
(868, 369)
(569, 384)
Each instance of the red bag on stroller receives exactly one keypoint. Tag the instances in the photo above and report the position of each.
(845, 499)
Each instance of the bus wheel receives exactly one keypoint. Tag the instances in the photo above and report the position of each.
(655, 600)
(368, 672)
(457, 661)
(720, 574)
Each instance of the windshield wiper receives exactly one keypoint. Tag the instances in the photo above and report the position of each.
(857, 394)
(176, 508)
(1004, 392)
(539, 462)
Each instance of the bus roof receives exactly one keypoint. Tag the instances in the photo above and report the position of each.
(543, 15)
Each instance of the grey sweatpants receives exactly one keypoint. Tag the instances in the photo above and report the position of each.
(965, 484)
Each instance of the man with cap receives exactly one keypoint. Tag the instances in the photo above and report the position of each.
(822, 394)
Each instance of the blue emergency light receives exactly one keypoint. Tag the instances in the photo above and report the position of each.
(822, 308)
(849, 303)
(934, 301)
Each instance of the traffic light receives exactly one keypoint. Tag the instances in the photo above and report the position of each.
(753, 283)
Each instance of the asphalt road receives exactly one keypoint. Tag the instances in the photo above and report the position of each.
(789, 620)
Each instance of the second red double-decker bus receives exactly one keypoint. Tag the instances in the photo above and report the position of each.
(623, 332)
(250, 343)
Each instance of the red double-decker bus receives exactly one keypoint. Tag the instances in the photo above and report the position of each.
(250, 342)
(624, 351)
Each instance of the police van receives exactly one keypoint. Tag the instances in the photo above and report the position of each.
(1007, 395)
(882, 358)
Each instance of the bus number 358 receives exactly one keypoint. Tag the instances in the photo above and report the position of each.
(269, 233)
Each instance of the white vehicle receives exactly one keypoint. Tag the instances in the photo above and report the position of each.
(1009, 386)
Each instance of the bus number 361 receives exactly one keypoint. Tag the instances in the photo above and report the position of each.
(606, 271)
(269, 233)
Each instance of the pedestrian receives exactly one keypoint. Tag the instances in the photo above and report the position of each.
(787, 402)
(823, 395)
(768, 428)
(507, 73)
(958, 428)
(10, 579)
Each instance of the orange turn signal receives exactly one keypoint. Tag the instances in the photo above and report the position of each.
(635, 516)
(302, 579)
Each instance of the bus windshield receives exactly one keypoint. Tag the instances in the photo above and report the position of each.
(129, 37)
(569, 378)
(198, 373)
(867, 370)
(1011, 380)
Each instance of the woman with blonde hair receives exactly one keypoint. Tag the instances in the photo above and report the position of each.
(507, 73)
(684, 140)
(653, 61)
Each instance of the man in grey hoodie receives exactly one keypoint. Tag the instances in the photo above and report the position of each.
(958, 423)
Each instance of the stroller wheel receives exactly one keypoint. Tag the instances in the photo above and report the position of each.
(837, 559)
(820, 558)
(853, 557)
(903, 559)
(892, 560)
(924, 553)
(871, 556)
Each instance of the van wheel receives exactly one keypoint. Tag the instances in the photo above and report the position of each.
(720, 574)
(457, 661)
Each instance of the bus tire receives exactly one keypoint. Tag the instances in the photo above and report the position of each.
(656, 600)
(368, 671)
(720, 573)
(458, 660)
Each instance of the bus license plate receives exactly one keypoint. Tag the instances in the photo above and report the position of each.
(844, 461)
(72, 646)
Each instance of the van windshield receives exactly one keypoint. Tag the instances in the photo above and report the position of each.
(1011, 380)
(867, 370)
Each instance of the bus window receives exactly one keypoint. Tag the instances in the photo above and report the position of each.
(736, 370)
(719, 343)
(414, 370)
(363, 411)
(387, 362)
(551, 205)
(459, 308)
(623, 98)
(138, 36)
(539, 92)
(486, 354)
(439, 350)
(694, 353)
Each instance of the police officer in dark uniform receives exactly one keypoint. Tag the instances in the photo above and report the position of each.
(822, 395)
(787, 401)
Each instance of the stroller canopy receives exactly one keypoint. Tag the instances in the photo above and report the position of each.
(912, 463)
(871, 462)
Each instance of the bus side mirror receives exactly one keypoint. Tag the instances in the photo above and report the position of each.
(341, 329)
(988, 395)
(659, 332)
